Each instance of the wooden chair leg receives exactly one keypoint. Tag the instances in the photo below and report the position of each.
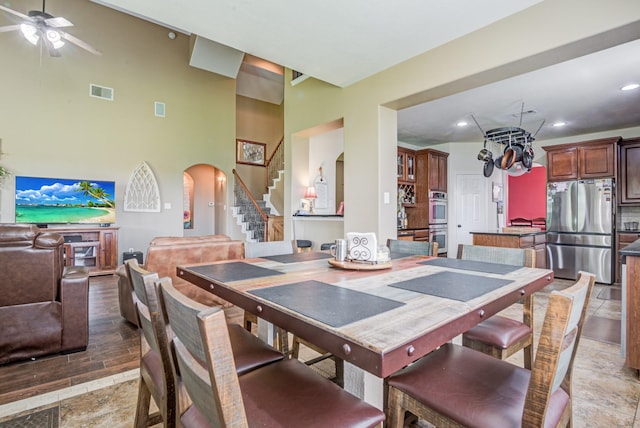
(528, 357)
(395, 413)
(142, 408)
(339, 371)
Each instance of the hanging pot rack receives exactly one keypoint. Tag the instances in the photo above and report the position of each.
(518, 149)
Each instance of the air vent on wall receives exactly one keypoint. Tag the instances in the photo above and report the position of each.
(297, 77)
(103, 92)
(159, 108)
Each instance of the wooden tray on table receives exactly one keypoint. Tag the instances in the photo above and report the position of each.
(359, 265)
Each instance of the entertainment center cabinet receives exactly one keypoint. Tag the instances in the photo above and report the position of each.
(95, 248)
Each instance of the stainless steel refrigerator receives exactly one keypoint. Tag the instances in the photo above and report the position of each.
(581, 228)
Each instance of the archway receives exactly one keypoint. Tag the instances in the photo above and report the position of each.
(204, 194)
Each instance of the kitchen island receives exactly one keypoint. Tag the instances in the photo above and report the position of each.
(516, 238)
(630, 335)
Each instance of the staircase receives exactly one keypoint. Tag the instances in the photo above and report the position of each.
(254, 216)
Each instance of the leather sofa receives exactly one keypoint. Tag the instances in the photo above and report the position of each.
(44, 306)
(166, 253)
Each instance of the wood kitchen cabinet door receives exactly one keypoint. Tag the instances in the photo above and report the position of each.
(596, 161)
(629, 180)
(562, 164)
(406, 165)
(437, 172)
(584, 160)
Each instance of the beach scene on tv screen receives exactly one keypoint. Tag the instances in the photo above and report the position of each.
(54, 200)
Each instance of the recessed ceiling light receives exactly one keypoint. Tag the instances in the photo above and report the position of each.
(630, 87)
(461, 123)
(559, 124)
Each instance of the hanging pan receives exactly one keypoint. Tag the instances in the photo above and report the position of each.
(488, 168)
(527, 157)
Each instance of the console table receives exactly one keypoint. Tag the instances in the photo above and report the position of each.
(96, 248)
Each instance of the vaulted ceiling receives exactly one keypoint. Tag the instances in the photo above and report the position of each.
(341, 42)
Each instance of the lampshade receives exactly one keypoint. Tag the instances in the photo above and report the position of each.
(310, 193)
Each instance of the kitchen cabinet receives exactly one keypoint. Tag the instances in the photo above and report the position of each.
(630, 319)
(629, 174)
(431, 175)
(535, 240)
(623, 240)
(583, 160)
(437, 171)
(406, 164)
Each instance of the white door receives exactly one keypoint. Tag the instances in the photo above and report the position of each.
(472, 207)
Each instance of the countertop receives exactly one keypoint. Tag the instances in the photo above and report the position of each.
(498, 232)
(410, 230)
(632, 249)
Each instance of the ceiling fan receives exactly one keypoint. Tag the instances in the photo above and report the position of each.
(39, 25)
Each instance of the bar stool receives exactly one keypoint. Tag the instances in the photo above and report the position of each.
(303, 245)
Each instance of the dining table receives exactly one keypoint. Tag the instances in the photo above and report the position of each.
(378, 318)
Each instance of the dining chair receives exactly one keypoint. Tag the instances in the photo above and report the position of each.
(156, 373)
(276, 248)
(518, 221)
(412, 247)
(283, 394)
(458, 386)
(501, 336)
(157, 379)
(540, 222)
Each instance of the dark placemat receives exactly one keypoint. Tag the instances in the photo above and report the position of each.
(452, 285)
(233, 271)
(398, 255)
(298, 257)
(334, 306)
(47, 418)
(483, 267)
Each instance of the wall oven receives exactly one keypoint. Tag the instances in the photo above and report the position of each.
(438, 233)
(437, 208)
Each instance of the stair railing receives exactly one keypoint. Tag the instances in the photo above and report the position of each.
(275, 163)
(249, 207)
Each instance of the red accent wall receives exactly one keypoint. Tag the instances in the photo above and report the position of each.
(527, 196)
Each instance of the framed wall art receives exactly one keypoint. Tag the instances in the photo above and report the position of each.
(250, 152)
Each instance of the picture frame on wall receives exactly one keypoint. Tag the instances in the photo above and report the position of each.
(250, 152)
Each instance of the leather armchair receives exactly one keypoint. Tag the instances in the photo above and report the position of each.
(44, 305)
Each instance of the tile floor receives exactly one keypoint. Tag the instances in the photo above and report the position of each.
(606, 394)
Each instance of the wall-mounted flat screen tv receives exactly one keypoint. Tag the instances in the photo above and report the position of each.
(57, 200)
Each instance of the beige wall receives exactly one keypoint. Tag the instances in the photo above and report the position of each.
(50, 127)
(261, 122)
(512, 46)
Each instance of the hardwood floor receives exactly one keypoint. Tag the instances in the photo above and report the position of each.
(114, 347)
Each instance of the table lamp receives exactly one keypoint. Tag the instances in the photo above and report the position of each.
(310, 194)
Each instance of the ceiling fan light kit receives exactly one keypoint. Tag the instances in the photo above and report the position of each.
(39, 26)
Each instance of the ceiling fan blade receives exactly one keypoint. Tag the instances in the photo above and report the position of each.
(9, 28)
(76, 41)
(16, 13)
(58, 22)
